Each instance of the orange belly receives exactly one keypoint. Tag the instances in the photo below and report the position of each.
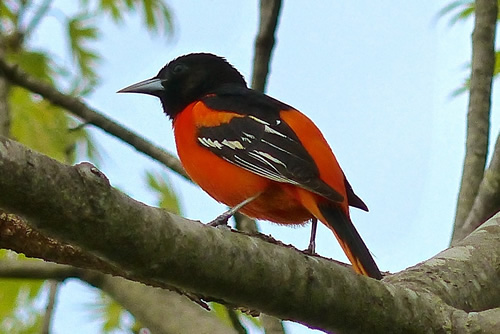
(228, 183)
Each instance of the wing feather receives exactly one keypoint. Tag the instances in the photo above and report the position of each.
(266, 147)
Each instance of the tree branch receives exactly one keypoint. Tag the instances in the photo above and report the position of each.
(77, 205)
(487, 201)
(17, 235)
(89, 116)
(271, 324)
(160, 310)
(264, 42)
(151, 306)
(478, 115)
(49, 309)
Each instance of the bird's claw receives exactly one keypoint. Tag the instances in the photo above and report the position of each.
(220, 220)
(311, 249)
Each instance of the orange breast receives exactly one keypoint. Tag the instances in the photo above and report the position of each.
(222, 180)
(228, 183)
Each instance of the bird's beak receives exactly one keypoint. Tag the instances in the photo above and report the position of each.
(151, 86)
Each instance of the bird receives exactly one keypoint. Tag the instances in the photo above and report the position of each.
(254, 153)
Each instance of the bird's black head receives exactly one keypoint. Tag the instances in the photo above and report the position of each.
(187, 79)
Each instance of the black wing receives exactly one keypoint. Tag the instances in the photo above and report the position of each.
(265, 146)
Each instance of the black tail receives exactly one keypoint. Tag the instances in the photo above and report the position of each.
(350, 241)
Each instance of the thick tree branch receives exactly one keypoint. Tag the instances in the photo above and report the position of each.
(89, 115)
(161, 311)
(77, 205)
(478, 115)
(264, 42)
(17, 235)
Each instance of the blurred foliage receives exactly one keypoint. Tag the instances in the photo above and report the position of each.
(20, 18)
(155, 13)
(111, 316)
(221, 312)
(461, 10)
(18, 312)
(49, 129)
(46, 128)
(160, 184)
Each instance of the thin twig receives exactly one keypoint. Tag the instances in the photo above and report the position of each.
(49, 309)
(37, 17)
(264, 44)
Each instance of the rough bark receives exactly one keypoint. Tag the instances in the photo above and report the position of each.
(478, 115)
(17, 235)
(78, 206)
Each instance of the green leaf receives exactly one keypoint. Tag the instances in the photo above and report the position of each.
(110, 313)
(113, 8)
(80, 33)
(167, 199)
(6, 13)
(35, 63)
(44, 127)
(496, 70)
(459, 9)
(156, 15)
(221, 313)
(462, 89)
(18, 313)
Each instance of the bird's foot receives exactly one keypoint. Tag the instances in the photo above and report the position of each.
(311, 249)
(221, 220)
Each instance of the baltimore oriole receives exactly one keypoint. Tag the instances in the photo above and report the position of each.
(255, 153)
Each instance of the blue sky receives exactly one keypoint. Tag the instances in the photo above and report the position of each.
(376, 77)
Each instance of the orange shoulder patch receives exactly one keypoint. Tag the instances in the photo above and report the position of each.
(203, 116)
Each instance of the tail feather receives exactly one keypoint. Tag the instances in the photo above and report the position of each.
(350, 241)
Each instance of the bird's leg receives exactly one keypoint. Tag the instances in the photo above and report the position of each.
(224, 217)
(311, 249)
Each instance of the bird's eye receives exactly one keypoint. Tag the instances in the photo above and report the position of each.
(179, 68)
